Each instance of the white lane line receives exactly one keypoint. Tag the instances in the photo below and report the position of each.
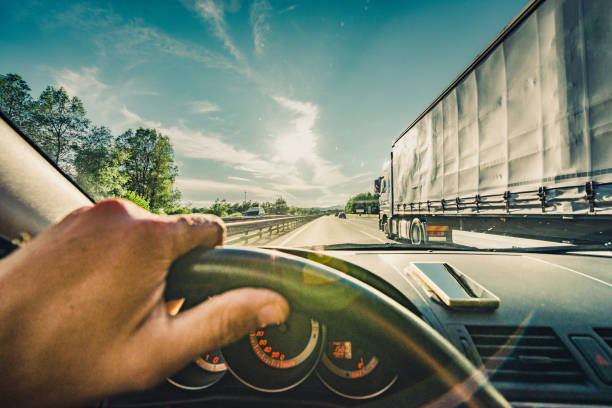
(571, 270)
(297, 232)
(372, 236)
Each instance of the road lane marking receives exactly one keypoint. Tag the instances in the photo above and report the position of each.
(297, 232)
(372, 236)
(570, 270)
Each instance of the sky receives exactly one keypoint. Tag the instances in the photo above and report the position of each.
(292, 99)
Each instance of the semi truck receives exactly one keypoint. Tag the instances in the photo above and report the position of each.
(520, 143)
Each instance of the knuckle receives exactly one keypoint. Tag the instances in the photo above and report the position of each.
(113, 207)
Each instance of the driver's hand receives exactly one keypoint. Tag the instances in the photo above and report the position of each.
(82, 314)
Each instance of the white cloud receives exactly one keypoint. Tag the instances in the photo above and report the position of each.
(292, 167)
(204, 188)
(133, 39)
(102, 102)
(132, 119)
(84, 84)
(288, 9)
(260, 11)
(213, 13)
(300, 143)
(205, 107)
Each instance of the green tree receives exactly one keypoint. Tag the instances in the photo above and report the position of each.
(137, 199)
(220, 208)
(16, 101)
(96, 163)
(60, 122)
(363, 201)
(149, 166)
(280, 206)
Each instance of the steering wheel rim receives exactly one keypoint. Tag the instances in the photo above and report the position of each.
(331, 296)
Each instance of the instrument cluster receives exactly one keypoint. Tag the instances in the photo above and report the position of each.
(278, 358)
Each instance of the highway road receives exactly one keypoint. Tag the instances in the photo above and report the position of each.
(330, 230)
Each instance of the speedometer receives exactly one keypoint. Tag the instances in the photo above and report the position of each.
(277, 358)
(268, 345)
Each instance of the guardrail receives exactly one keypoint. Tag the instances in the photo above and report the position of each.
(232, 220)
(245, 230)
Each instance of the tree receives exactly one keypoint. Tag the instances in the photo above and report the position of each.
(137, 199)
(362, 201)
(220, 208)
(15, 100)
(149, 166)
(96, 163)
(60, 122)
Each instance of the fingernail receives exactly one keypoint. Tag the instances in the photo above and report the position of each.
(271, 313)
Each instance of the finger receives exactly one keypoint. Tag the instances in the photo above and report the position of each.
(188, 231)
(217, 322)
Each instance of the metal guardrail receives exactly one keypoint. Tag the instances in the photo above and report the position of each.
(228, 220)
(244, 230)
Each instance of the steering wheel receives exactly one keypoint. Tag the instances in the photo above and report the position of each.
(440, 376)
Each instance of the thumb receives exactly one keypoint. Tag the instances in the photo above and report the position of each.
(218, 321)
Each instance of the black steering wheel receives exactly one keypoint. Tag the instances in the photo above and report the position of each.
(440, 376)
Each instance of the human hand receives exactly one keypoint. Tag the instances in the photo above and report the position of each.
(82, 312)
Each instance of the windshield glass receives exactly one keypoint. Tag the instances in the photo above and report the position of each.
(323, 123)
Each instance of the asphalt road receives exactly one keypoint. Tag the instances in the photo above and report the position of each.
(330, 230)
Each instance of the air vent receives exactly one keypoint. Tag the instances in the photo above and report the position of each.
(529, 355)
(606, 335)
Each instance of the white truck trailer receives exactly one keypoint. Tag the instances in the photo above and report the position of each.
(520, 143)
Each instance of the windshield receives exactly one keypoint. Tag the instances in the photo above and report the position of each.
(322, 124)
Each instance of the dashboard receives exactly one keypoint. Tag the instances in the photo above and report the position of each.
(548, 342)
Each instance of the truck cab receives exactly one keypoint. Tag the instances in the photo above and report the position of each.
(382, 186)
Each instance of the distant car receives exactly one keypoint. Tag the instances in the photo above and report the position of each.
(342, 215)
(337, 213)
(254, 212)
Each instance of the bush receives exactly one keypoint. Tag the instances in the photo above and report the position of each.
(179, 210)
(137, 199)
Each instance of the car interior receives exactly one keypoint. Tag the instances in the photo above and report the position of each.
(370, 326)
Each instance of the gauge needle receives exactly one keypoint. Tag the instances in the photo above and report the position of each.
(360, 365)
(174, 306)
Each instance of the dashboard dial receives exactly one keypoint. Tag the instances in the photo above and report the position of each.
(202, 373)
(277, 358)
(352, 370)
(268, 345)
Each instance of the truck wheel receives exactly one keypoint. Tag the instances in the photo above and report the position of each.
(417, 232)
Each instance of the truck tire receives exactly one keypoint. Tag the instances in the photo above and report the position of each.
(417, 232)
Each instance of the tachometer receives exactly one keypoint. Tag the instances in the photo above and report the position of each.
(277, 358)
(202, 373)
(350, 369)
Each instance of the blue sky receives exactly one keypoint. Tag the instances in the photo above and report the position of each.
(299, 99)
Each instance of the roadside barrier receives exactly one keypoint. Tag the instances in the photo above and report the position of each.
(243, 231)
